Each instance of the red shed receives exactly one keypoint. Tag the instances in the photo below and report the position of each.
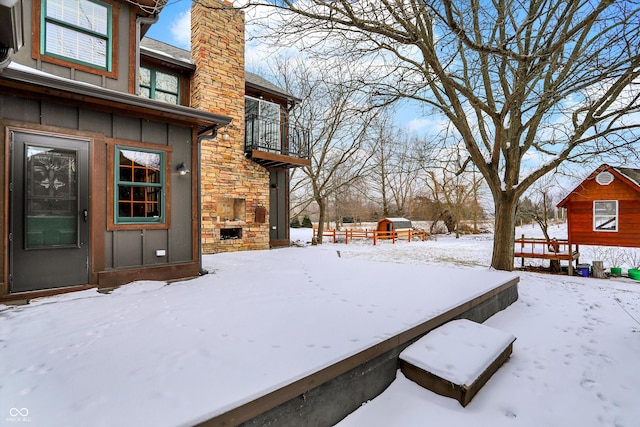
(604, 209)
(390, 226)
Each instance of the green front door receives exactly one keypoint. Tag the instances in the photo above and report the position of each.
(49, 231)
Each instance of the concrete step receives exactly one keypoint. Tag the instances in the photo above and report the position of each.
(456, 359)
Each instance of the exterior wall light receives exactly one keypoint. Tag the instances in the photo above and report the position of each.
(182, 169)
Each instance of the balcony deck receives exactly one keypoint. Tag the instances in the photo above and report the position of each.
(276, 145)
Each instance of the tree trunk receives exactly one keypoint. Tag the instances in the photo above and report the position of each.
(321, 208)
(503, 238)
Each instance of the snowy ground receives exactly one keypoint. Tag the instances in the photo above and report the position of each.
(575, 361)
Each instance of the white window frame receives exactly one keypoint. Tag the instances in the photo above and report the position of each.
(598, 218)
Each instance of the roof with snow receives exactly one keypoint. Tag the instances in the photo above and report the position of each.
(398, 223)
(632, 174)
(152, 47)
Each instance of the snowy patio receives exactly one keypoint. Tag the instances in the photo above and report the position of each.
(179, 354)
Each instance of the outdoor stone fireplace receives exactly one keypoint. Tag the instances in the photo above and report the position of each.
(232, 209)
(231, 233)
(233, 186)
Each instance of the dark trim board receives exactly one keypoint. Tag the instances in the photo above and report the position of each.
(27, 296)
(330, 394)
(111, 278)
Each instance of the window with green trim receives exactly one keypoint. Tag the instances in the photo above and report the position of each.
(156, 84)
(140, 186)
(77, 30)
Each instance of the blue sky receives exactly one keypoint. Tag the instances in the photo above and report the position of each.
(172, 28)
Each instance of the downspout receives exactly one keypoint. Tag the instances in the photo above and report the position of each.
(6, 55)
(11, 36)
(202, 137)
(139, 22)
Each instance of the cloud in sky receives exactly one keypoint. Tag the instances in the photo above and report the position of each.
(181, 29)
(418, 125)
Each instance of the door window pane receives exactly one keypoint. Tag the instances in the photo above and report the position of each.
(51, 197)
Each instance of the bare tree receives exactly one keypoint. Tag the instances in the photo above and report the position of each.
(382, 154)
(395, 167)
(555, 81)
(538, 206)
(404, 173)
(338, 115)
(456, 192)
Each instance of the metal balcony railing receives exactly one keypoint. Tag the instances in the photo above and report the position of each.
(271, 136)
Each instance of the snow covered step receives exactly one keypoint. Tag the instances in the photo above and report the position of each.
(456, 359)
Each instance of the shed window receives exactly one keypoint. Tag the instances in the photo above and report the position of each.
(77, 30)
(140, 186)
(605, 215)
(156, 84)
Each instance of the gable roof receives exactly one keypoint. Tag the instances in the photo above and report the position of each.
(178, 56)
(630, 176)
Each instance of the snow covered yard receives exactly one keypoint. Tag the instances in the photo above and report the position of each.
(574, 363)
(129, 358)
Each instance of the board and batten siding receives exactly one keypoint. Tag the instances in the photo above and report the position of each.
(114, 249)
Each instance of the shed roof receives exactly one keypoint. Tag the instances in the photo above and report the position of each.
(631, 176)
(398, 222)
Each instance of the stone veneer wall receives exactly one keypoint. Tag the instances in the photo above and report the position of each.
(218, 85)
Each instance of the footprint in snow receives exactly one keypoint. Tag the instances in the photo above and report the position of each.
(510, 414)
(587, 383)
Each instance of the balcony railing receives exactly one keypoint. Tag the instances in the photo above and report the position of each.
(276, 144)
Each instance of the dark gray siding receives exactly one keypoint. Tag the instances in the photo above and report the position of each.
(126, 248)
(181, 247)
(278, 205)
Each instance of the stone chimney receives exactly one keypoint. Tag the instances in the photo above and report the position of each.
(232, 185)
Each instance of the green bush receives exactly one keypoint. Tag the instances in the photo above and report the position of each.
(295, 223)
(306, 222)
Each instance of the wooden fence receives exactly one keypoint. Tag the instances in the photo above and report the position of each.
(374, 235)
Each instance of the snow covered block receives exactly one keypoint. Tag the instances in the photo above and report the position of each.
(456, 359)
